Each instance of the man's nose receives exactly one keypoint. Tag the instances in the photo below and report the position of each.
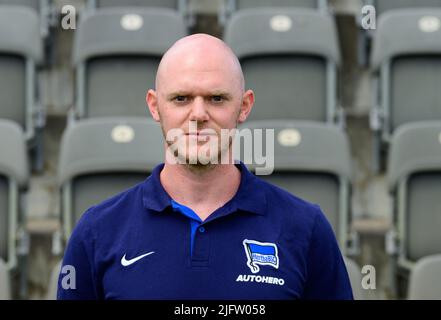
(199, 110)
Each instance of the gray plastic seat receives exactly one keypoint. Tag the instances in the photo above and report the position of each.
(102, 157)
(53, 281)
(406, 61)
(382, 6)
(354, 273)
(414, 178)
(41, 7)
(14, 176)
(5, 290)
(312, 161)
(229, 7)
(20, 53)
(247, 4)
(34, 4)
(425, 279)
(171, 4)
(180, 6)
(289, 58)
(116, 54)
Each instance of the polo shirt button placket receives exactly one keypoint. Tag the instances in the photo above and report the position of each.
(201, 249)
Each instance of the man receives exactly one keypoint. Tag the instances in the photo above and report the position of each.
(200, 229)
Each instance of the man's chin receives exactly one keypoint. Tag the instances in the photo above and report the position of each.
(198, 161)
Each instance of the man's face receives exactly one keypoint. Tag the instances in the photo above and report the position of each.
(200, 97)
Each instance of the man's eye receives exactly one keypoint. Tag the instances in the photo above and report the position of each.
(180, 98)
(217, 99)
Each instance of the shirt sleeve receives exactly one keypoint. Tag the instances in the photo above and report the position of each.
(77, 280)
(327, 277)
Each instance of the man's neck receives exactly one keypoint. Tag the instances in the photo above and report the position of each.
(202, 189)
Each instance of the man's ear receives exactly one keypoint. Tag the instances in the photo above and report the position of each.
(151, 99)
(247, 105)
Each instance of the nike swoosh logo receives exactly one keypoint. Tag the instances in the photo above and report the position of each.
(126, 263)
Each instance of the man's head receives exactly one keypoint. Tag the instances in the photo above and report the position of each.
(199, 81)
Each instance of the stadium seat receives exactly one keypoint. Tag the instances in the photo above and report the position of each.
(102, 157)
(53, 282)
(312, 161)
(289, 58)
(425, 279)
(229, 7)
(116, 54)
(414, 179)
(381, 6)
(41, 7)
(5, 290)
(181, 6)
(171, 4)
(354, 273)
(14, 176)
(20, 53)
(406, 61)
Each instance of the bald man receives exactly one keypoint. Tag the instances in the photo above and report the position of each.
(202, 226)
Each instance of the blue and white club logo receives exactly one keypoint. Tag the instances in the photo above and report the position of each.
(260, 253)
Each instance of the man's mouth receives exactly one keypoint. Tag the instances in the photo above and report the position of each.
(200, 136)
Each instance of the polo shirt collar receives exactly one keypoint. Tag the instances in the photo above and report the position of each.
(250, 196)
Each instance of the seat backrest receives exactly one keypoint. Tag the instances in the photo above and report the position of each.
(14, 175)
(53, 282)
(415, 94)
(116, 53)
(229, 7)
(287, 87)
(91, 189)
(20, 50)
(414, 174)
(354, 273)
(34, 4)
(312, 161)
(247, 4)
(319, 188)
(382, 6)
(423, 214)
(4, 216)
(172, 4)
(13, 88)
(116, 85)
(5, 291)
(407, 54)
(289, 58)
(128, 151)
(425, 279)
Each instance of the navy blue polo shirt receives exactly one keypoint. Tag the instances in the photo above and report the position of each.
(264, 243)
